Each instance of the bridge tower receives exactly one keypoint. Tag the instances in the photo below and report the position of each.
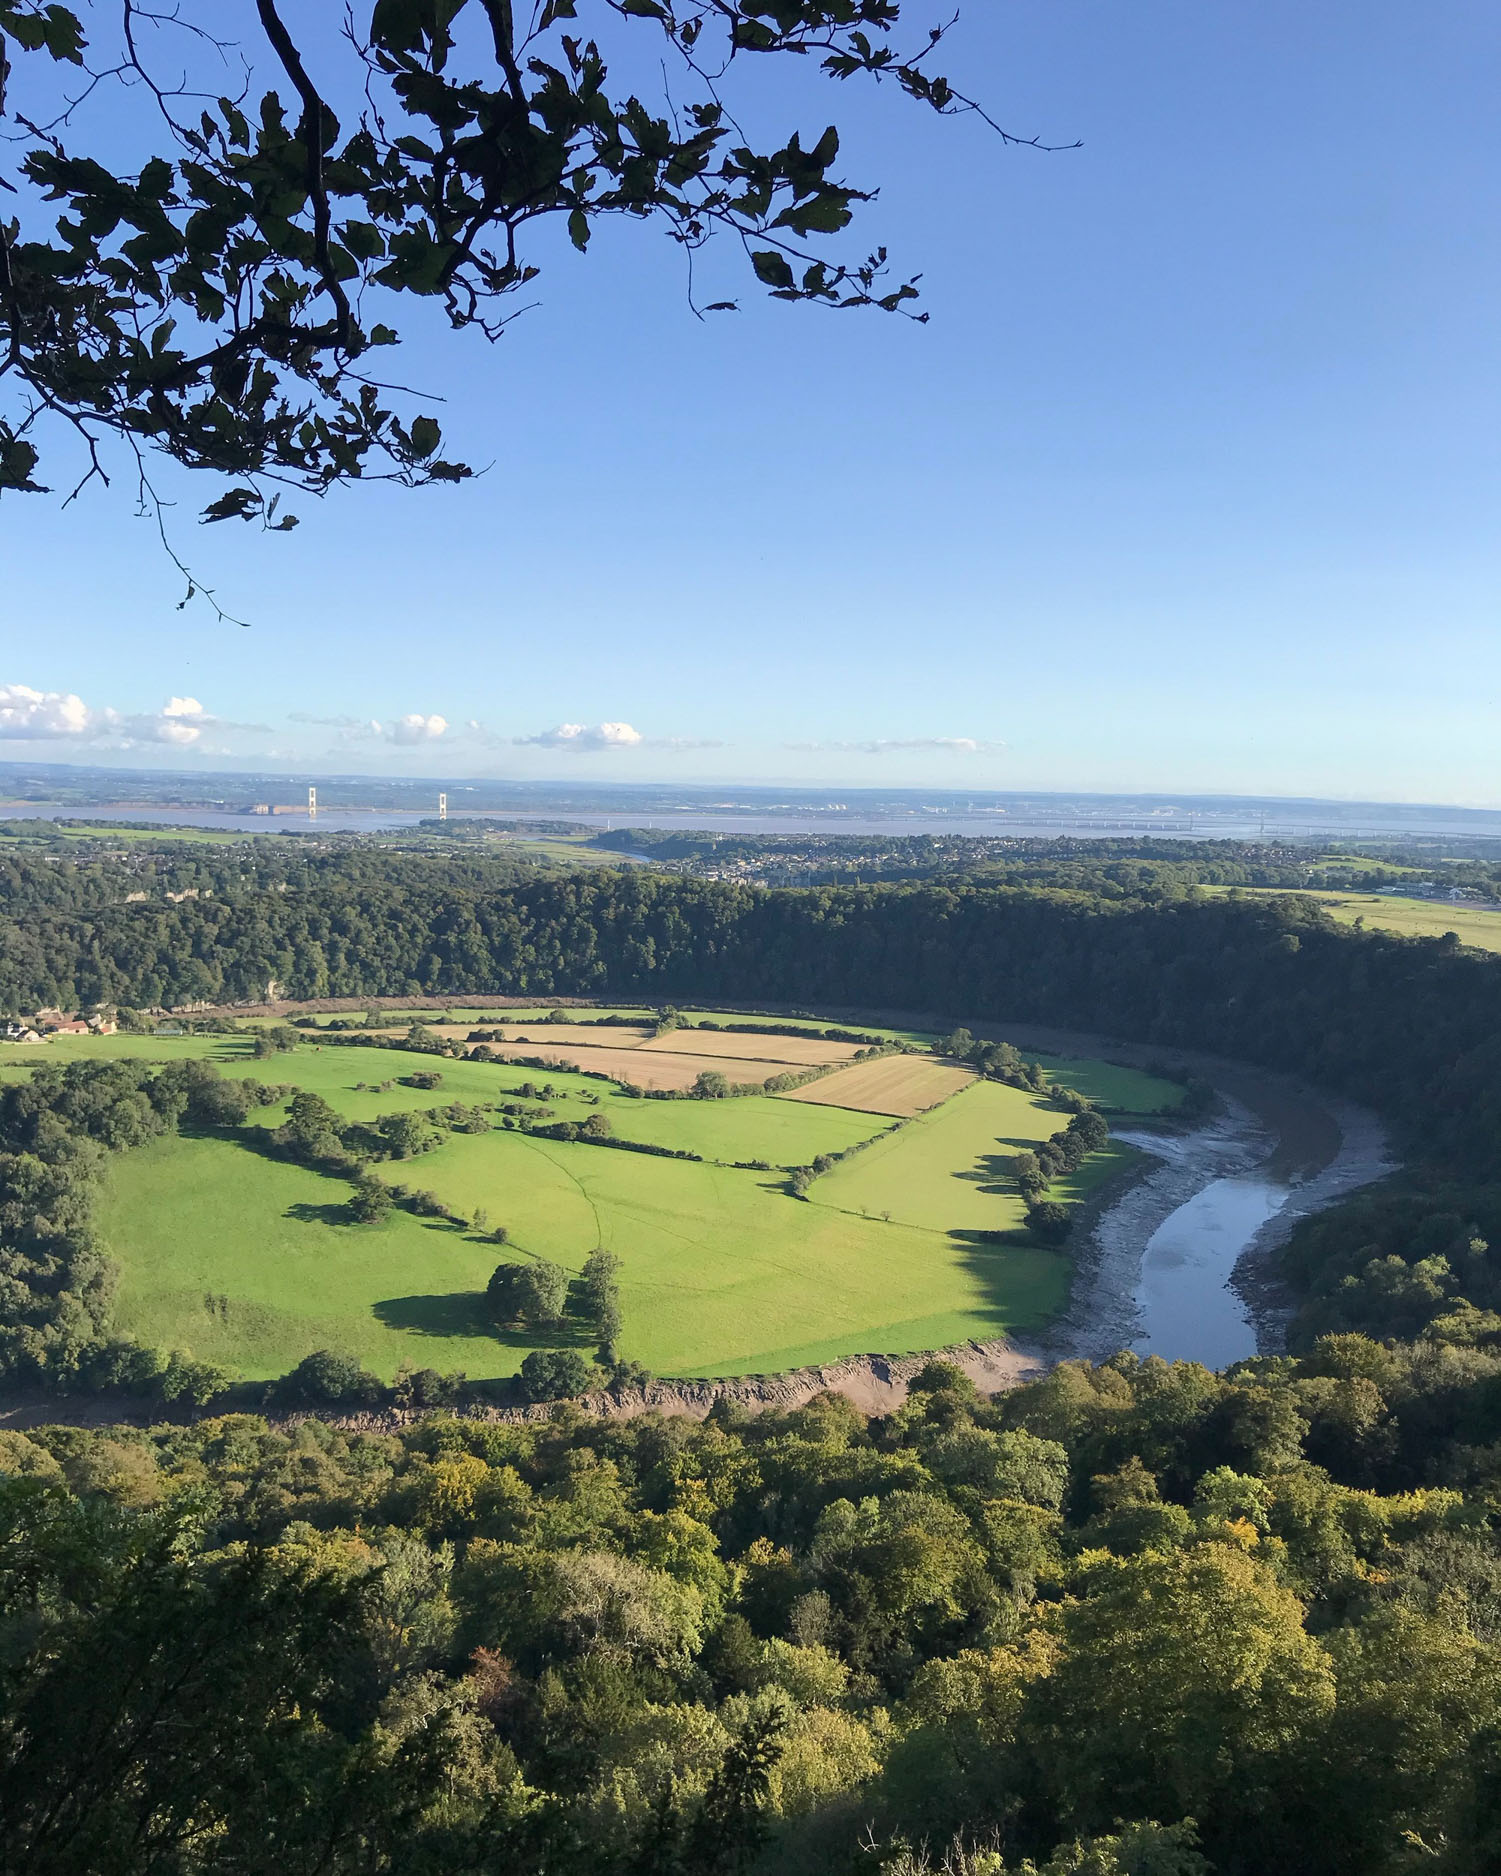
(442, 807)
(312, 804)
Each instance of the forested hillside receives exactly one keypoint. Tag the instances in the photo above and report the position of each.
(1133, 1620)
(1280, 984)
(1136, 1620)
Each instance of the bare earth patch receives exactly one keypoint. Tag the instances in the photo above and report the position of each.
(901, 1085)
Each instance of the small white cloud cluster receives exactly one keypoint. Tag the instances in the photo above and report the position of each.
(28, 715)
(414, 728)
(407, 731)
(181, 721)
(585, 736)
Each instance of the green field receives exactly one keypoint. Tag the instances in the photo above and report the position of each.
(128, 836)
(246, 1259)
(755, 1127)
(949, 1165)
(571, 850)
(1473, 924)
(1125, 1092)
(723, 1271)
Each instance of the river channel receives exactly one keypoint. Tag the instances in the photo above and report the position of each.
(1163, 1268)
(1157, 1271)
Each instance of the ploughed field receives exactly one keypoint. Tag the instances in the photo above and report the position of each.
(915, 1240)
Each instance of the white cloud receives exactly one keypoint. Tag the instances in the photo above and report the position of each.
(35, 715)
(947, 745)
(408, 731)
(28, 715)
(181, 721)
(584, 736)
(416, 728)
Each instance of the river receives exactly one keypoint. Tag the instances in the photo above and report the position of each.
(1162, 1268)
(1156, 1272)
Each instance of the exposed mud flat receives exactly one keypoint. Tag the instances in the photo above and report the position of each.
(1178, 1265)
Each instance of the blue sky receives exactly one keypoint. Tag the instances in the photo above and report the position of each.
(1190, 484)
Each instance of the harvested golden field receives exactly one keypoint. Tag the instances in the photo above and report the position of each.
(795, 1051)
(900, 1085)
(553, 1035)
(560, 1035)
(675, 1060)
(646, 1068)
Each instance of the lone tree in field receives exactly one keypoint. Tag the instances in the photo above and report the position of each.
(600, 1284)
(230, 301)
(527, 1295)
(371, 1201)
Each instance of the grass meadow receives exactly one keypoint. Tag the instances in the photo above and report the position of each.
(1127, 1093)
(248, 1260)
(1472, 924)
(949, 1164)
(253, 1262)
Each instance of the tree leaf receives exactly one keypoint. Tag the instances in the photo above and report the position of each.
(772, 268)
(237, 505)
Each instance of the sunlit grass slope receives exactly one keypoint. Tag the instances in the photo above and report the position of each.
(248, 1260)
(948, 1168)
(1472, 924)
(252, 1262)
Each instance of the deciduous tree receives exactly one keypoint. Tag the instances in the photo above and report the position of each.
(228, 299)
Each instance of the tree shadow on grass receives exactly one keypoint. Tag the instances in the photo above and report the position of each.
(458, 1312)
(333, 1214)
(465, 1312)
(1009, 1282)
(991, 1173)
(1018, 1238)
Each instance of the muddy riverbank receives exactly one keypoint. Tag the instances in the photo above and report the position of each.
(1179, 1265)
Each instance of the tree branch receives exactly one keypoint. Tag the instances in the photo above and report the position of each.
(313, 115)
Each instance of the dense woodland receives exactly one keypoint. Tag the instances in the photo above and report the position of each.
(1133, 1620)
